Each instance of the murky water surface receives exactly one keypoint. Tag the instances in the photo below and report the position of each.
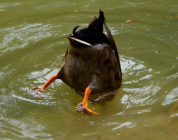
(32, 46)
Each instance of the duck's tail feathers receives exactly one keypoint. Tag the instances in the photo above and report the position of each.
(97, 23)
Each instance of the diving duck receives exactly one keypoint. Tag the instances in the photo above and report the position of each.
(91, 63)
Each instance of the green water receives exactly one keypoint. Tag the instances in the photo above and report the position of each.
(32, 46)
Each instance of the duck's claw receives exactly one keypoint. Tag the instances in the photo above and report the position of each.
(83, 109)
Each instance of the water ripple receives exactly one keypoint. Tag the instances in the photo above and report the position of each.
(125, 124)
(18, 37)
(23, 129)
(4, 5)
(171, 97)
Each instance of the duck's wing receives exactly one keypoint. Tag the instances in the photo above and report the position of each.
(113, 44)
(61, 69)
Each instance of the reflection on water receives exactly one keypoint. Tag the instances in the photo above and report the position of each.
(32, 47)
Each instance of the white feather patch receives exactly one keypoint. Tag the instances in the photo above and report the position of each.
(80, 41)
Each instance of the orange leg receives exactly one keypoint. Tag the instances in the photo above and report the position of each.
(52, 79)
(83, 106)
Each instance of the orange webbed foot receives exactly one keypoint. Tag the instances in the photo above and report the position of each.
(84, 109)
(38, 89)
(83, 106)
(41, 88)
(35, 92)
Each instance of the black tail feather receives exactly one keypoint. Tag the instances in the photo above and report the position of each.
(97, 24)
(75, 28)
(100, 21)
(94, 33)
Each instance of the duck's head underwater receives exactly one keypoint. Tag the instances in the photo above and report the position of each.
(91, 63)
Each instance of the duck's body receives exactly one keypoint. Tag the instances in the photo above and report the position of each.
(95, 67)
(96, 64)
(91, 63)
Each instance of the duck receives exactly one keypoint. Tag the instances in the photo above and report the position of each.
(91, 63)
